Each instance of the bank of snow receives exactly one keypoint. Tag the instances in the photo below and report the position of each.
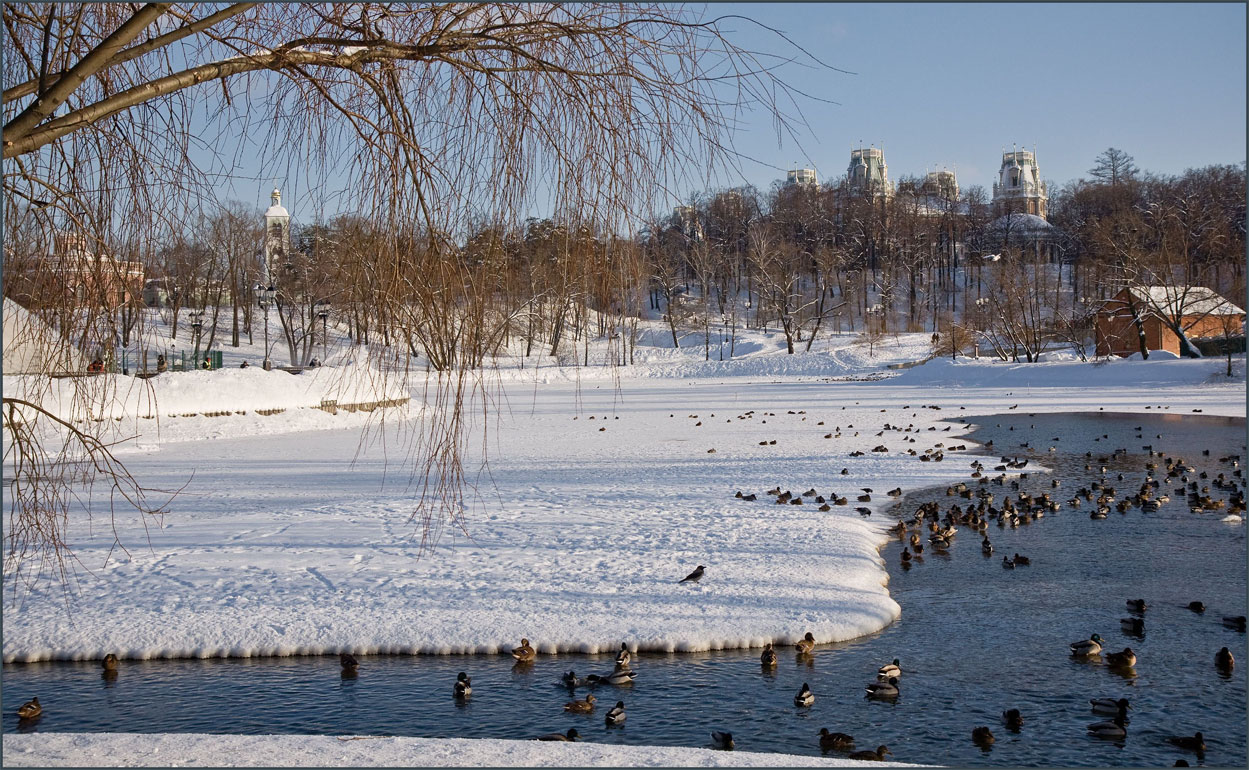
(169, 750)
(595, 500)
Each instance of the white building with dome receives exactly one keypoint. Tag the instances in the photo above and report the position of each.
(1019, 189)
(277, 237)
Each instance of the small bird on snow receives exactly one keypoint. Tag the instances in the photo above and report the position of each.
(694, 576)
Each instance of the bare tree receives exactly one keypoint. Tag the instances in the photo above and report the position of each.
(1113, 167)
(423, 115)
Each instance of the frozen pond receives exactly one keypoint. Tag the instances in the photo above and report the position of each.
(974, 639)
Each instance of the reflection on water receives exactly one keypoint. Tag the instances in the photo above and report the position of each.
(974, 640)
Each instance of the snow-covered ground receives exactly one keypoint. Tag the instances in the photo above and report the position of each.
(167, 750)
(600, 490)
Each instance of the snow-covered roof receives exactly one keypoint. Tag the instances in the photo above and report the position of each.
(277, 211)
(1193, 300)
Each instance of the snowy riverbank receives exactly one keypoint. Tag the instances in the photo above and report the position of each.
(595, 501)
(200, 750)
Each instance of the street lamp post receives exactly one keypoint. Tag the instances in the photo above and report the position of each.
(196, 326)
(324, 315)
(264, 297)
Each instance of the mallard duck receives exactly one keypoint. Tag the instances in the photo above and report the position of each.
(571, 735)
(30, 709)
(830, 741)
(1090, 646)
(1110, 706)
(982, 735)
(804, 697)
(570, 680)
(463, 686)
(1237, 623)
(110, 662)
(617, 714)
(620, 676)
(623, 658)
(1021, 560)
(906, 555)
(1136, 605)
(986, 547)
(886, 689)
(807, 643)
(768, 657)
(1007, 563)
(1195, 742)
(874, 756)
(722, 740)
(581, 706)
(1132, 625)
(1223, 658)
(888, 670)
(348, 661)
(1125, 659)
(1112, 729)
(1197, 606)
(524, 652)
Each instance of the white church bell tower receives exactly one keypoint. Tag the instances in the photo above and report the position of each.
(277, 237)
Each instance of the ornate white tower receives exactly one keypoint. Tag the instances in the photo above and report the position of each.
(868, 174)
(801, 176)
(1019, 189)
(277, 236)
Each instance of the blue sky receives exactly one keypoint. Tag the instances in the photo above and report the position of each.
(948, 85)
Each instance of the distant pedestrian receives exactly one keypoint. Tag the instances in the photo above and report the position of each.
(161, 364)
(95, 366)
(207, 363)
(244, 365)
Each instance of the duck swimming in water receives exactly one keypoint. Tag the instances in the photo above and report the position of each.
(1195, 742)
(581, 706)
(835, 741)
(1090, 646)
(806, 643)
(1110, 706)
(1013, 719)
(617, 714)
(722, 740)
(571, 735)
(872, 756)
(348, 661)
(982, 736)
(888, 689)
(623, 658)
(620, 676)
(804, 697)
(768, 657)
(1112, 729)
(1125, 659)
(524, 653)
(463, 686)
(888, 670)
(1223, 658)
(30, 709)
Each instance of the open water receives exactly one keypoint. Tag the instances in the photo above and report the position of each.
(974, 639)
